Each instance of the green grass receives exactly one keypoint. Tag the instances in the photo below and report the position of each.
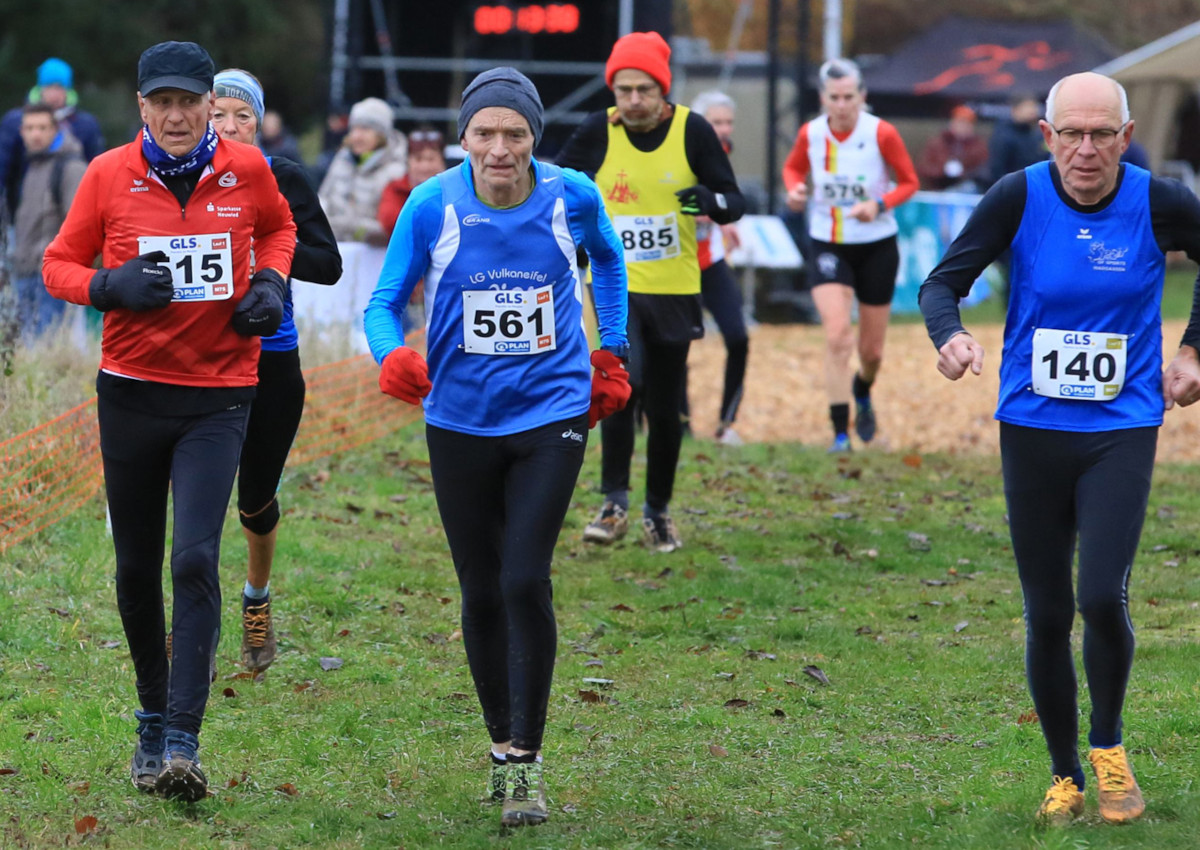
(895, 580)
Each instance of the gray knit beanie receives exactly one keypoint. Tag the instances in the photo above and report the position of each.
(502, 87)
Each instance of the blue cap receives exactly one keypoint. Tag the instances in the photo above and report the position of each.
(55, 72)
(502, 87)
(175, 65)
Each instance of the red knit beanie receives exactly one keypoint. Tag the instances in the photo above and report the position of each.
(644, 51)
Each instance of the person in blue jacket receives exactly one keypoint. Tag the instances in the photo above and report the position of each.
(1082, 395)
(507, 396)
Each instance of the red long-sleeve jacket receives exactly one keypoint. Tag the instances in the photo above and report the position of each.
(119, 200)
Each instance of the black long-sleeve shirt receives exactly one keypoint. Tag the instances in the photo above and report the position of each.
(588, 145)
(1174, 219)
(317, 259)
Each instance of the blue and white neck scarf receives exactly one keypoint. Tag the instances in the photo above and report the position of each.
(168, 165)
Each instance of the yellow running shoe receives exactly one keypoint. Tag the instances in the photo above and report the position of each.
(1063, 803)
(1120, 798)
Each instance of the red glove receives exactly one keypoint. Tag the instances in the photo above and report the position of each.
(405, 375)
(610, 386)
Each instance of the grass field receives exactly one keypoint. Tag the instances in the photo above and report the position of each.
(887, 575)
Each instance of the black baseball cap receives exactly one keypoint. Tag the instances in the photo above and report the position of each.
(175, 65)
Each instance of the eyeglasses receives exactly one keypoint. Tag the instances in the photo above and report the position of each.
(1102, 138)
(425, 136)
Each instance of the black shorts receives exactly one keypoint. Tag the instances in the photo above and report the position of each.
(667, 319)
(869, 268)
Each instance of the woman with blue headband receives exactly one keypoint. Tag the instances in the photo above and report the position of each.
(275, 413)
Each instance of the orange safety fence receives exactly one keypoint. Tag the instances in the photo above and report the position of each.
(53, 469)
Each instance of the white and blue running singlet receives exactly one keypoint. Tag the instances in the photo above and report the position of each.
(1083, 335)
(505, 339)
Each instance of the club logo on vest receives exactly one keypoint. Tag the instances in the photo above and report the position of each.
(474, 219)
(227, 179)
(1105, 259)
(621, 193)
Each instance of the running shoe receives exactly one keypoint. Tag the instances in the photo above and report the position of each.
(148, 754)
(864, 420)
(181, 777)
(525, 795)
(1063, 803)
(660, 534)
(1120, 798)
(841, 445)
(726, 436)
(258, 634)
(609, 526)
(497, 780)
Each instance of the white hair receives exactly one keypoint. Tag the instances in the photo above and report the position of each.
(836, 69)
(1050, 98)
(708, 99)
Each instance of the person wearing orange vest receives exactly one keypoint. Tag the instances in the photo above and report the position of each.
(658, 166)
(171, 216)
(848, 152)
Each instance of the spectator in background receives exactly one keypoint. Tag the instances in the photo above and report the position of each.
(426, 158)
(55, 81)
(55, 167)
(275, 140)
(1017, 142)
(336, 125)
(956, 158)
(1137, 155)
(373, 154)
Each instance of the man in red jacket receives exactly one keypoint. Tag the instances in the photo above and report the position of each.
(172, 215)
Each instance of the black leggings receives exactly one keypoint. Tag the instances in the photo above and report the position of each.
(658, 377)
(274, 420)
(502, 502)
(196, 456)
(723, 299)
(1062, 487)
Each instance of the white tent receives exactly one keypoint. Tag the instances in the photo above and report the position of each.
(1158, 77)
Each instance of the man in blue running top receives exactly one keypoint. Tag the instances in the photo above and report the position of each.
(508, 399)
(1082, 394)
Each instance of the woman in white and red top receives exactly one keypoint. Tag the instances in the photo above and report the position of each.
(847, 154)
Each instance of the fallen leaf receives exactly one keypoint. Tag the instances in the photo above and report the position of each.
(229, 693)
(62, 612)
(8, 771)
(385, 815)
(864, 630)
(458, 695)
(80, 787)
(353, 508)
(666, 572)
(1152, 602)
(913, 460)
(621, 606)
(303, 686)
(1027, 717)
(287, 788)
(604, 683)
(399, 497)
(593, 662)
(590, 696)
(958, 627)
(454, 635)
(344, 633)
(778, 713)
(934, 582)
(109, 644)
(86, 824)
(328, 664)
(235, 781)
(718, 751)
(817, 673)
(397, 607)
(760, 655)
(725, 675)
(736, 703)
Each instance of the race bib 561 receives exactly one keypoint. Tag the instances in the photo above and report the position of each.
(508, 321)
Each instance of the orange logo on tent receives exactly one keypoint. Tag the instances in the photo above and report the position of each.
(988, 61)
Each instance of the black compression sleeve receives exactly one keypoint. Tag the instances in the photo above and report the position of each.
(317, 259)
(588, 145)
(1175, 218)
(990, 229)
(710, 163)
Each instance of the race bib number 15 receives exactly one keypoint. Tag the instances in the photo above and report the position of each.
(508, 321)
(1084, 365)
(201, 264)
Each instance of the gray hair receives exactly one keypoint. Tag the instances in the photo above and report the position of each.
(837, 69)
(1050, 98)
(708, 99)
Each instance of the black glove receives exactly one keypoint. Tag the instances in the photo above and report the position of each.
(700, 200)
(260, 312)
(138, 284)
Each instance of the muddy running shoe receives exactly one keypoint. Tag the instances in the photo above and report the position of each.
(660, 534)
(841, 445)
(609, 526)
(497, 779)
(148, 754)
(181, 777)
(726, 436)
(258, 634)
(1120, 798)
(1063, 803)
(525, 796)
(864, 420)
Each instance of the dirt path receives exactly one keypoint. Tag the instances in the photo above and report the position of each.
(918, 409)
